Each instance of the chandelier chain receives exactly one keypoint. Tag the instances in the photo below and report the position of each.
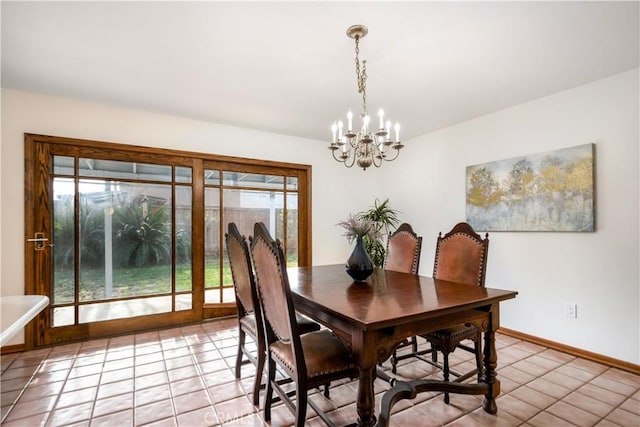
(362, 77)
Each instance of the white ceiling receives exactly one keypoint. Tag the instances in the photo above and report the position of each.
(288, 67)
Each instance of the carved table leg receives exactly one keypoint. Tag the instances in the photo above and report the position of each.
(491, 362)
(365, 354)
(366, 398)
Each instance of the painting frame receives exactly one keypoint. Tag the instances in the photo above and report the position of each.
(546, 191)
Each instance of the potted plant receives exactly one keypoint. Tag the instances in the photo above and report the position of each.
(359, 266)
(367, 228)
(383, 218)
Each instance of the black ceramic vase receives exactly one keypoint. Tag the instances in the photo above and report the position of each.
(359, 265)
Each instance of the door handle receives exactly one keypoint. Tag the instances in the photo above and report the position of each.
(39, 239)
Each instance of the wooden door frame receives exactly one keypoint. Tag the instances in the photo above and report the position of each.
(38, 217)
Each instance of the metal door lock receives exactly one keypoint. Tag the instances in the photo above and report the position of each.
(39, 240)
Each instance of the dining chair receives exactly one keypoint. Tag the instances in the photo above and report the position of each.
(309, 360)
(461, 256)
(249, 314)
(403, 250)
(403, 255)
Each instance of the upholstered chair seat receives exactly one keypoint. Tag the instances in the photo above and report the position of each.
(324, 356)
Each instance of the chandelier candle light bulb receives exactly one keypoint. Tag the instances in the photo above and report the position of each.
(365, 124)
(363, 147)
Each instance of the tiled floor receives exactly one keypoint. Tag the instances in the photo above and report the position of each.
(184, 377)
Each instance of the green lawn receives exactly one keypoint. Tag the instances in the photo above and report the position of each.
(147, 280)
(133, 281)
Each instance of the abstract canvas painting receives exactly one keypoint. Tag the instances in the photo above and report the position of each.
(550, 191)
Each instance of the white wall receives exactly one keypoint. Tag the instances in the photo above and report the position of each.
(598, 271)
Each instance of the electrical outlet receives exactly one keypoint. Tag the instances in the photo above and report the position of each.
(571, 310)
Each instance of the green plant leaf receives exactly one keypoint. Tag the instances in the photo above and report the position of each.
(371, 225)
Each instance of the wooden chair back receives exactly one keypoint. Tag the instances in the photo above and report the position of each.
(274, 292)
(461, 256)
(241, 271)
(403, 250)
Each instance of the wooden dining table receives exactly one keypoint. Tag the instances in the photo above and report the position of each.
(373, 317)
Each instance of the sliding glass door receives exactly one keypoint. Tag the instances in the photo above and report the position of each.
(127, 238)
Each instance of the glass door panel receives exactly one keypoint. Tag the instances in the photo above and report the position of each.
(122, 248)
(292, 230)
(125, 240)
(183, 248)
(212, 262)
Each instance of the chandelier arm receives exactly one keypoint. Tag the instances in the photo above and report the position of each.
(352, 158)
(338, 159)
(349, 161)
(377, 156)
(386, 159)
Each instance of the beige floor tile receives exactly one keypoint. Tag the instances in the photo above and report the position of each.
(531, 368)
(71, 414)
(34, 407)
(152, 394)
(113, 389)
(622, 417)
(200, 417)
(191, 401)
(573, 414)
(149, 368)
(573, 371)
(623, 377)
(235, 408)
(38, 420)
(516, 407)
(547, 387)
(602, 394)
(480, 418)
(633, 406)
(588, 403)
(156, 411)
(533, 397)
(113, 404)
(611, 383)
(545, 419)
(185, 377)
(226, 391)
(563, 380)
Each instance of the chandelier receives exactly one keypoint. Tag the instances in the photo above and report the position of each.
(365, 146)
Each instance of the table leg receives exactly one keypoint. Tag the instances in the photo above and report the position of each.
(365, 355)
(491, 363)
(366, 398)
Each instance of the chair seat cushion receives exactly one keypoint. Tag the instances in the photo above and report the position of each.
(454, 334)
(324, 354)
(305, 325)
(248, 324)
